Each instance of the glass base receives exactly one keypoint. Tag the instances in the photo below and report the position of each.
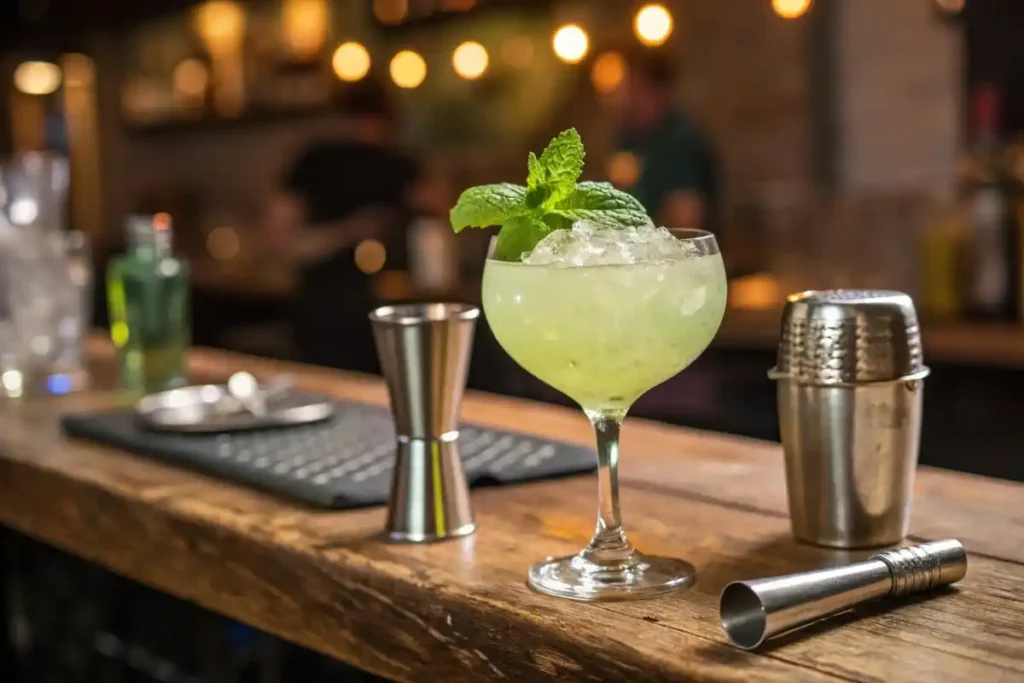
(637, 576)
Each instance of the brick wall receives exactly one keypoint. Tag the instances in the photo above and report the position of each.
(748, 80)
(899, 74)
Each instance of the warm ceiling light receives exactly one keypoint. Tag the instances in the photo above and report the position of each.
(351, 61)
(408, 69)
(791, 9)
(608, 71)
(570, 43)
(390, 11)
(951, 6)
(37, 78)
(470, 60)
(652, 25)
(517, 51)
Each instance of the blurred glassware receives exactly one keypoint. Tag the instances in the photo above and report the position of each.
(45, 278)
(34, 193)
(73, 282)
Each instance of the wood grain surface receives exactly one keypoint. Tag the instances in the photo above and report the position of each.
(460, 611)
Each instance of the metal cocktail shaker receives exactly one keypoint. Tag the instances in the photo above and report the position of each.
(850, 387)
(424, 352)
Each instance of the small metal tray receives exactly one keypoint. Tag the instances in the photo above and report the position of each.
(210, 408)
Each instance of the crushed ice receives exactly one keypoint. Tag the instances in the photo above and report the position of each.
(589, 244)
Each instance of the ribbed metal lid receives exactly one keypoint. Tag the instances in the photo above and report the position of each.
(848, 336)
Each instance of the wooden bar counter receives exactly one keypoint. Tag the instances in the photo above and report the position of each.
(460, 611)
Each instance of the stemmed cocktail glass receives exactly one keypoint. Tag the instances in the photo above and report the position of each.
(604, 335)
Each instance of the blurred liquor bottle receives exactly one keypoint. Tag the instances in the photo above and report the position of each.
(1014, 163)
(942, 265)
(988, 200)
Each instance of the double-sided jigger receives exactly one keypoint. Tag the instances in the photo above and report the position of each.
(753, 611)
(424, 354)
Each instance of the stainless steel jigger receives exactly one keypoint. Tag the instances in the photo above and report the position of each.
(424, 354)
(753, 611)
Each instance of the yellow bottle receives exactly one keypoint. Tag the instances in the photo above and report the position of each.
(942, 276)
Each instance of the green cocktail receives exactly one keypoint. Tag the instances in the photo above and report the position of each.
(584, 293)
(604, 335)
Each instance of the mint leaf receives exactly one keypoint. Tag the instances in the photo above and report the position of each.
(552, 200)
(558, 168)
(487, 205)
(601, 203)
(518, 236)
(534, 172)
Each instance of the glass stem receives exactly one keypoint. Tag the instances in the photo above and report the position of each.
(609, 546)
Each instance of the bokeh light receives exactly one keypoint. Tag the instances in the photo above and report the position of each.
(951, 6)
(517, 51)
(652, 25)
(37, 78)
(470, 60)
(304, 27)
(570, 43)
(408, 70)
(223, 243)
(221, 25)
(390, 11)
(351, 61)
(608, 72)
(370, 256)
(791, 9)
(623, 169)
(190, 78)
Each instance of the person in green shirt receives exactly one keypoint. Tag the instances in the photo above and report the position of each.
(672, 165)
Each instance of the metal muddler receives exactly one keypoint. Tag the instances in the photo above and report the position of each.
(754, 611)
(424, 353)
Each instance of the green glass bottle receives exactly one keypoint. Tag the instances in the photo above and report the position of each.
(148, 296)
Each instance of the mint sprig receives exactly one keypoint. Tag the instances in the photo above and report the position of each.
(551, 200)
(486, 205)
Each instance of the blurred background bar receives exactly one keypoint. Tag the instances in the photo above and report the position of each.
(307, 152)
(829, 143)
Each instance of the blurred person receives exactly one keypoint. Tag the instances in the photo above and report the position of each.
(676, 174)
(352, 186)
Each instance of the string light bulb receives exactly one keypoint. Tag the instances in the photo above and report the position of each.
(570, 43)
(470, 60)
(351, 62)
(791, 9)
(652, 25)
(408, 70)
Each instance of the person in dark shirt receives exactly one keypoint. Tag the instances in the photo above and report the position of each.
(676, 175)
(340, 192)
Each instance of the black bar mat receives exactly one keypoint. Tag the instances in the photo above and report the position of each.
(342, 463)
